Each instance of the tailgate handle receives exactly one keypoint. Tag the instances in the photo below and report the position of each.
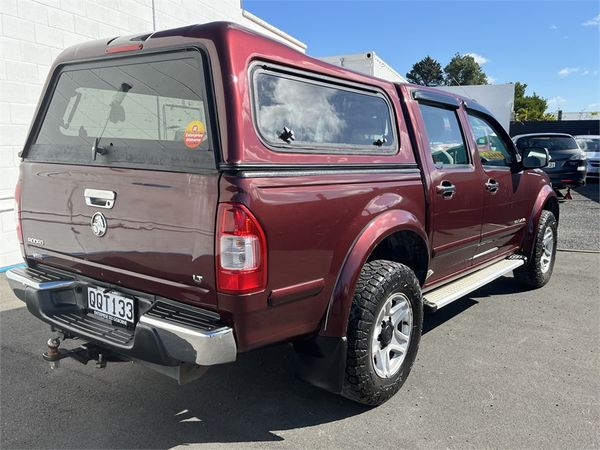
(99, 199)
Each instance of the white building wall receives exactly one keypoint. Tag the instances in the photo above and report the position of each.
(33, 33)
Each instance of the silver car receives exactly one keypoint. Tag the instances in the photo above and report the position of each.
(590, 144)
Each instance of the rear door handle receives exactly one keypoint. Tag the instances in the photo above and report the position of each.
(446, 189)
(492, 185)
(99, 199)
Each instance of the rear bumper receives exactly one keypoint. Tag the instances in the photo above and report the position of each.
(571, 178)
(166, 333)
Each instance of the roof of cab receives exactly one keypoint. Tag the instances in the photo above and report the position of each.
(228, 36)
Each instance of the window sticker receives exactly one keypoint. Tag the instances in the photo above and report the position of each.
(195, 134)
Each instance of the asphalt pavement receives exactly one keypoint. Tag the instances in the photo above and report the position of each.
(580, 219)
(500, 368)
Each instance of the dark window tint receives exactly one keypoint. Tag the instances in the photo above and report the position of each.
(549, 142)
(320, 116)
(445, 137)
(147, 111)
(493, 151)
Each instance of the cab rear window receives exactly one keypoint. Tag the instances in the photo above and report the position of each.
(147, 111)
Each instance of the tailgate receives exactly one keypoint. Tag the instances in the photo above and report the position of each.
(159, 233)
(119, 181)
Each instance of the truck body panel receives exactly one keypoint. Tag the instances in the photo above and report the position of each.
(381, 171)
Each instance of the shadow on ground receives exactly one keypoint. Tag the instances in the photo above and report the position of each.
(501, 286)
(129, 406)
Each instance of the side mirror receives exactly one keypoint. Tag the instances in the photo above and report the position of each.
(535, 157)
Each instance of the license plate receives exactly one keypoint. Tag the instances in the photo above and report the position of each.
(111, 306)
(551, 165)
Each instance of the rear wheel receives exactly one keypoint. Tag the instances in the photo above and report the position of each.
(384, 330)
(538, 270)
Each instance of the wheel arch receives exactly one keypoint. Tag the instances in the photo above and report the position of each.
(546, 200)
(395, 235)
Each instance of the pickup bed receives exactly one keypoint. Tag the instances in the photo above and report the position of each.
(195, 193)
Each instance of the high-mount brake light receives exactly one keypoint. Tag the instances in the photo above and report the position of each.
(124, 48)
(241, 251)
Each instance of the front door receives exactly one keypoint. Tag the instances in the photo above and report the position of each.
(456, 200)
(506, 203)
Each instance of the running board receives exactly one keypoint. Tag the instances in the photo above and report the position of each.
(441, 296)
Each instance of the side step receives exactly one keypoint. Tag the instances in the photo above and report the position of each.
(441, 296)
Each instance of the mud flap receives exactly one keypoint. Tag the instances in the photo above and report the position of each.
(321, 361)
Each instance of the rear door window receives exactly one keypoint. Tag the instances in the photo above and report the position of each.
(148, 111)
(444, 133)
(294, 113)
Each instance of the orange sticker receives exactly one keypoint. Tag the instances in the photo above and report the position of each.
(195, 134)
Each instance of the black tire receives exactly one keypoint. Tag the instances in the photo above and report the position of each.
(535, 273)
(378, 281)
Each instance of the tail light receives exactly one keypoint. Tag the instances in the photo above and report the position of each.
(241, 250)
(18, 212)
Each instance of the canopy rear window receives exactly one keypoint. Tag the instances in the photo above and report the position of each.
(146, 111)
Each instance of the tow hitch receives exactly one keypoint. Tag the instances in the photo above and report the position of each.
(84, 353)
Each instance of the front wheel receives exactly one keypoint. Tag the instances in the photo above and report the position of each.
(538, 270)
(384, 330)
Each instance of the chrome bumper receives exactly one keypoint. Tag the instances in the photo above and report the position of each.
(167, 332)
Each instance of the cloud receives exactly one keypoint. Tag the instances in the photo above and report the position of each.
(556, 102)
(553, 27)
(585, 72)
(491, 79)
(563, 73)
(592, 107)
(594, 22)
(478, 58)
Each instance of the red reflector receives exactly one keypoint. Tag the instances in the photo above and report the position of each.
(124, 48)
(241, 251)
(566, 181)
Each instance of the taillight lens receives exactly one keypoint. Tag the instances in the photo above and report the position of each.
(241, 250)
(18, 211)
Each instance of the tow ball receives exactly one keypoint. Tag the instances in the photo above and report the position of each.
(83, 354)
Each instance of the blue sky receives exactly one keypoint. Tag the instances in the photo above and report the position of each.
(553, 46)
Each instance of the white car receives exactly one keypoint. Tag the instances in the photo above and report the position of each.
(591, 145)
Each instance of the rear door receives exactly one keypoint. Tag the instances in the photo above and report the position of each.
(119, 180)
(455, 194)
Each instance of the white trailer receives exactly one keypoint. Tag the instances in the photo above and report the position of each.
(499, 99)
(368, 63)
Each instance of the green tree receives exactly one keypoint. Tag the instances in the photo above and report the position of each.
(464, 70)
(427, 72)
(529, 107)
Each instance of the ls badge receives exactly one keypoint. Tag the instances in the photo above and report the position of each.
(99, 224)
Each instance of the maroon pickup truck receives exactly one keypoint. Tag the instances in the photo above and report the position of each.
(191, 194)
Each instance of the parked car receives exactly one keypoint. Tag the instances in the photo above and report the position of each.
(590, 144)
(567, 167)
(191, 194)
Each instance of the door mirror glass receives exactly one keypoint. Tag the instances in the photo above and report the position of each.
(535, 157)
